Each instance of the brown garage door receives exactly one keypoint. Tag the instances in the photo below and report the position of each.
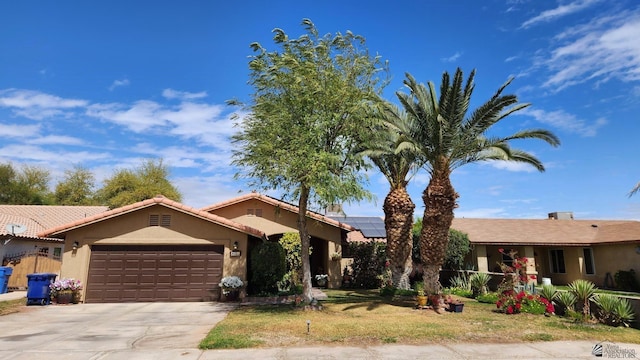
(122, 273)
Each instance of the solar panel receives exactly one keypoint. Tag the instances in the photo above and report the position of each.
(370, 226)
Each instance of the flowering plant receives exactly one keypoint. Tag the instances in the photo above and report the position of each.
(511, 302)
(516, 274)
(230, 283)
(61, 285)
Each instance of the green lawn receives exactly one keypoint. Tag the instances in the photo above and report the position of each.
(11, 306)
(353, 317)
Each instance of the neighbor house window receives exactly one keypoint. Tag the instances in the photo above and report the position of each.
(557, 261)
(43, 251)
(57, 252)
(589, 266)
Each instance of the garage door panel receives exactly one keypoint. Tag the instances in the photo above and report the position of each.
(154, 273)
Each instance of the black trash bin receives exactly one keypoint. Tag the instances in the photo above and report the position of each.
(38, 291)
(5, 272)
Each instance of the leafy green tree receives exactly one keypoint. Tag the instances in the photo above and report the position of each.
(448, 137)
(268, 266)
(76, 188)
(458, 247)
(28, 186)
(396, 165)
(129, 186)
(309, 111)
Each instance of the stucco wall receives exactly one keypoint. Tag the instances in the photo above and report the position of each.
(611, 258)
(133, 228)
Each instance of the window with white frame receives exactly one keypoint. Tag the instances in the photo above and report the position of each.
(589, 265)
(556, 256)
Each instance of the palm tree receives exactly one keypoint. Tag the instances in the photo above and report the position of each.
(634, 190)
(396, 164)
(448, 138)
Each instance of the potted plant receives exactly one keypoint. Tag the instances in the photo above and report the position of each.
(421, 299)
(322, 279)
(231, 286)
(65, 291)
(453, 305)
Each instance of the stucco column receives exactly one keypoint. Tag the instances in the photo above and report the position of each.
(481, 258)
(531, 264)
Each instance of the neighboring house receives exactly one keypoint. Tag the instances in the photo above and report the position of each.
(161, 250)
(20, 246)
(558, 248)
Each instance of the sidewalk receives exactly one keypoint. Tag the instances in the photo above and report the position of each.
(14, 295)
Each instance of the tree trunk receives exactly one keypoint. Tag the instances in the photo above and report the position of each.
(398, 221)
(440, 200)
(305, 241)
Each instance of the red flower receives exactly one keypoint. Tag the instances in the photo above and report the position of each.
(499, 304)
(501, 250)
(533, 277)
(518, 306)
(510, 309)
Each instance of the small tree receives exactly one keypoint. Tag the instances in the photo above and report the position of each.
(309, 113)
(76, 188)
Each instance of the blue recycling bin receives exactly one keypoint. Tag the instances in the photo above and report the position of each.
(5, 272)
(38, 291)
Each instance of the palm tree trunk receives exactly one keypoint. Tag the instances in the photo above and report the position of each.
(440, 200)
(398, 220)
(305, 241)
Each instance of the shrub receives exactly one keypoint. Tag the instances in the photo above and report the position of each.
(292, 248)
(510, 302)
(565, 300)
(584, 291)
(268, 266)
(479, 283)
(626, 280)
(462, 292)
(457, 249)
(368, 265)
(488, 298)
(516, 274)
(460, 281)
(548, 292)
(613, 310)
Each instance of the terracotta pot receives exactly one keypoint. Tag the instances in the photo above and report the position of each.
(421, 300)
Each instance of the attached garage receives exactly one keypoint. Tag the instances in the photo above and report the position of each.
(130, 273)
(154, 250)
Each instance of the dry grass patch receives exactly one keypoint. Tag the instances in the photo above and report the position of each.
(364, 318)
(12, 306)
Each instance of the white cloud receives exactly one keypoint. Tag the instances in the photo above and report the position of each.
(565, 121)
(519, 201)
(118, 83)
(452, 58)
(511, 166)
(55, 140)
(560, 11)
(182, 95)
(18, 131)
(17, 98)
(48, 156)
(139, 117)
(605, 48)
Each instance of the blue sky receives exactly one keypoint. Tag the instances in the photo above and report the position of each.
(108, 84)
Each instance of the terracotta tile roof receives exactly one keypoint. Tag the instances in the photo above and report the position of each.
(161, 200)
(548, 232)
(52, 215)
(37, 218)
(278, 203)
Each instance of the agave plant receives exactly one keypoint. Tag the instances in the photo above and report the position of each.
(460, 282)
(479, 283)
(584, 292)
(565, 300)
(613, 310)
(548, 292)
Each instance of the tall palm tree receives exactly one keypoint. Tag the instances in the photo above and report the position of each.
(634, 190)
(448, 138)
(396, 164)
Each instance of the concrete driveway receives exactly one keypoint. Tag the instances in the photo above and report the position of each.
(109, 331)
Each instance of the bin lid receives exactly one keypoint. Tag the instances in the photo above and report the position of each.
(41, 275)
(6, 270)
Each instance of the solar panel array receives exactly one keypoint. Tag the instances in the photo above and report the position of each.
(370, 226)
